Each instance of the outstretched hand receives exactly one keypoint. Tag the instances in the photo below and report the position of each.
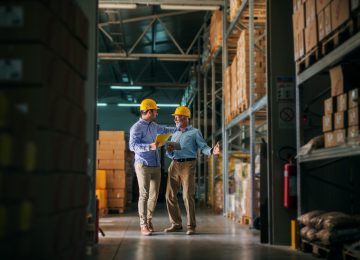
(216, 149)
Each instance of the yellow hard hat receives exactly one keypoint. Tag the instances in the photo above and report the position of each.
(148, 104)
(182, 111)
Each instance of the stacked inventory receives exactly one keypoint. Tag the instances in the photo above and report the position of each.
(44, 186)
(234, 6)
(111, 158)
(341, 113)
(216, 31)
(101, 192)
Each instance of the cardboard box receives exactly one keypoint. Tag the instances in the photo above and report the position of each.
(353, 116)
(100, 179)
(116, 203)
(340, 120)
(115, 179)
(330, 106)
(110, 165)
(310, 10)
(327, 20)
(340, 13)
(105, 154)
(103, 198)
(111, 136)
(343, 78)
(321, 25)
(111, 145)
(116, 193)
(341, 102)
(299, 20)
(329, 138)
(328, 123)
(320, 5)
(311, 37)
(353, 131)
(340, 136)
(353, 98)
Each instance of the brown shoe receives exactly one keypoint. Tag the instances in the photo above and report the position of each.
(145, 230)
(150, 226)
(190, 231)
(173, 228)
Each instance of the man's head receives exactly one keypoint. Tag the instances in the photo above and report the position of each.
(148, 109)
(182, 115)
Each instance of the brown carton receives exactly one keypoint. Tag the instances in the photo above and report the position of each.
(310, 9)
(327, 20)
(353, 116)
(116, 193)
(340, 12)
(111, 135)
(353, 131)
(340, 136)
(299, 19)
(321, 25)
(329, 105)
(343, 78)
(341, 102)
(328, 123)
(340, 120)
(111, 165)
(320, 4)
(116, 203)
(353, 98)
(329, 138)
(311, 38)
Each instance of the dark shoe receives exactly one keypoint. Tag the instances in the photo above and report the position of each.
(190, 231)
(145, 230)
(173, 228)
(150, 226)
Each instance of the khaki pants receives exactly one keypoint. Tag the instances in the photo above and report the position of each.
(149, 182)
(181, 174)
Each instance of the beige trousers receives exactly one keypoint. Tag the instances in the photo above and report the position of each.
(149, 183)
(181, 174)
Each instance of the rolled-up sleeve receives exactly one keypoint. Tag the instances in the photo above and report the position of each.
(134, 141)
(202, 145)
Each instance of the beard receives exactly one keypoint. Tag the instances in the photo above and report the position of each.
(178, 124)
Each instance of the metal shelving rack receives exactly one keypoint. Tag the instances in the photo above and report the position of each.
(344, 151)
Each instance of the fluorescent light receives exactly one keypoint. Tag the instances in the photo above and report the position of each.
(190, 7)
(102, 104)
(127, 87)
(116, 6)
(137, 105)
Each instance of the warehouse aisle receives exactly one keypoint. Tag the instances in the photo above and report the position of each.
(216, 238)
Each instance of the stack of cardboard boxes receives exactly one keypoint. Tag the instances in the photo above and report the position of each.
(44, 186)
(341, 110)
(216, 31)
(111, 159)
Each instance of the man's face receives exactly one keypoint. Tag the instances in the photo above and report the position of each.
(181, 121)
(153, 114)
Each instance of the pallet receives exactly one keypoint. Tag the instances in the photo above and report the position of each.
(309, 59)
(321, 251)
(115, 210)
(352, 252)
(339, 36)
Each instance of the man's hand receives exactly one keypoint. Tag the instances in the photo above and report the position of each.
(170, 148)
(216, 149)
(153, 146)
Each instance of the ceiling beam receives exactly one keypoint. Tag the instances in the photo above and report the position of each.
(160, 56)
(166, 85)
(159, 2)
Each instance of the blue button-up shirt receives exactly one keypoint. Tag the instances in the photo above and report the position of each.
(190, 141)
(143, 133)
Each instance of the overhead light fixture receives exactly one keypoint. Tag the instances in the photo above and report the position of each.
(116, 6)
(127, 87)
(137, 105)
(101, 104)
(190, 7)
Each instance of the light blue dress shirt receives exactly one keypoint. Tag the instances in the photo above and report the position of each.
(190, 141)
(143, 133)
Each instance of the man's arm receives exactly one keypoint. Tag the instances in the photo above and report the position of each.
(201, 143)
(135, 144)
(164, 130)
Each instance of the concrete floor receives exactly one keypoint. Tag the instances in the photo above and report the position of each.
(216, 238)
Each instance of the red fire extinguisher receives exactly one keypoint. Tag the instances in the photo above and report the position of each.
(290, 189)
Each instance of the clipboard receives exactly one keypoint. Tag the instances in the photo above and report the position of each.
(162, 138)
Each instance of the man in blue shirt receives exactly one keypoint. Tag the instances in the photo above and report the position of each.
(147, 162)
(182, 170)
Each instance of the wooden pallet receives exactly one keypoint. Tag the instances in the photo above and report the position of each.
(322, 251)
(337, 37)
(352, 252)
(115, 210)
(309, 59)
